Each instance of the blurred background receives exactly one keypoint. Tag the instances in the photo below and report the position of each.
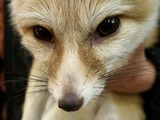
(16, 61)
(2, 87)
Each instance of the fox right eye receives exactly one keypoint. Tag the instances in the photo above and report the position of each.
(42, 33)
(108, 26)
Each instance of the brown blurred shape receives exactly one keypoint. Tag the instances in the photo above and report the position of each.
(1, 28)
(2, 88)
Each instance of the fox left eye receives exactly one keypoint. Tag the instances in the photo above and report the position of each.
(42, 33)
(108, 26)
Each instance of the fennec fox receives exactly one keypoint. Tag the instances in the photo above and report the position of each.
(77, 46)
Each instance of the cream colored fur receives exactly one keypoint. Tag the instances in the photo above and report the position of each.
(74, 54)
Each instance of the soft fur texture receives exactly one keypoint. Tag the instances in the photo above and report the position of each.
(76, 60)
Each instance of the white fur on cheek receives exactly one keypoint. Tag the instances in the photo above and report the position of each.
(41, 51)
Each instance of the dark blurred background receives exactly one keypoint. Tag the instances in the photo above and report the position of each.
(16, 61)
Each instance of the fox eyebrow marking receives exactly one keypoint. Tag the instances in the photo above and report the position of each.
(29, 18)
(111, 8)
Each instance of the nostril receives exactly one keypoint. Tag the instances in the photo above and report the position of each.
(70, 102)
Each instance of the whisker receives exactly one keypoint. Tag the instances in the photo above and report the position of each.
(125, 74)
(37, 76)
(43, 71)
(113, 72)
(39, 91)
(105, 66)
(25, 74)
(16, 96)
(128, 65)
(19, 95)
(31, 87)
(124, 79)
(22, 80)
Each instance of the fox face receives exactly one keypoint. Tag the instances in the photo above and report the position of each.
(80, 42)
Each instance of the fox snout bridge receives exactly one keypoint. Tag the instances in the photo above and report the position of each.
(70, 102)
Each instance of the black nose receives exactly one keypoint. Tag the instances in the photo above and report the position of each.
(70, 102)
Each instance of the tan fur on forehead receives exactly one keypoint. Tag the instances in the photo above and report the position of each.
(77, 18)
(141, 9)
(82, 15)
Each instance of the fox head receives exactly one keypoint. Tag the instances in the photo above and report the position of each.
(79, 42)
